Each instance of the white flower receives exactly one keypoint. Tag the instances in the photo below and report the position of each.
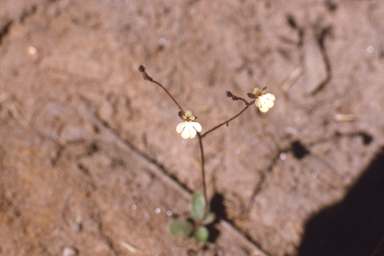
(265, 102)
(188, 129)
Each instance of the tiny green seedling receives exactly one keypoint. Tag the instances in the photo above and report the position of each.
(200, 216)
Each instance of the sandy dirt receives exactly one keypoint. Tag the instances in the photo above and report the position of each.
(89, 150)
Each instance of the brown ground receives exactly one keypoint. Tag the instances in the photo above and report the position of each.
(83, 137)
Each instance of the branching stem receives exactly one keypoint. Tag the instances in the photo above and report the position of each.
(200, 136)
(229, 120)
(147, 77)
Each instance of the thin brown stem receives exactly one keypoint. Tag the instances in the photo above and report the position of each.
(234, 97)
(248, 104)
(203, 170)
(147, 77)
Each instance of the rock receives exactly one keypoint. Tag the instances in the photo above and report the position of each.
(70, 251)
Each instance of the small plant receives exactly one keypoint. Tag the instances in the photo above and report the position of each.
(200, 218)
(189, 128)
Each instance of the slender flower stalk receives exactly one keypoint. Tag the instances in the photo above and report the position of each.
(203, 170)
(147, 77)
(247, 105)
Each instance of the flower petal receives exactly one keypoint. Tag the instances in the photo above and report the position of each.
(262, 102)
(269, 103)
(264, 109)
(197, 126)
(265, 102)
(180, 127)
(269, 96)
(186, 133)
(193, 132)
(257, 102)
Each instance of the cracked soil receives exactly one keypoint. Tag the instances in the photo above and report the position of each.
(88, 149)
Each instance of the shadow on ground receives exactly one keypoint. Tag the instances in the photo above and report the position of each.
(354, 226)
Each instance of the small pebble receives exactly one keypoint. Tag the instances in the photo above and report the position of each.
(162, 41)
(32, 50)
(69, 251)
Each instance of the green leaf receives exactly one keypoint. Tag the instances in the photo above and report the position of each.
(201, 234)
(198, 206)
(180, 228)
(209, 218)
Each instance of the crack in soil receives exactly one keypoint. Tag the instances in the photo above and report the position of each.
(320, 40)
(130, 145)
(27, 12)
(300, 30)
(84, 170)
(107, 238)
(300, 151)
(58, 154)
(366, 137)
(263, 176)
(5, 30)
